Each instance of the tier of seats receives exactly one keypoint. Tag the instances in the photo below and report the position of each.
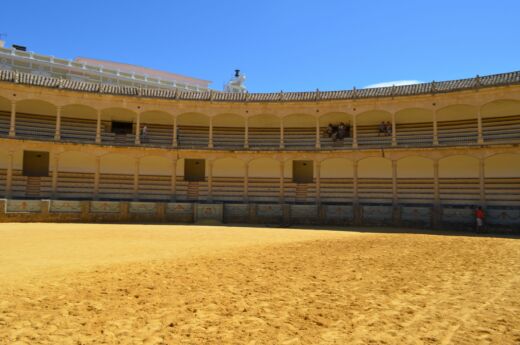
(378, 190)
(415, 190)
(459, 191)
(460, 132)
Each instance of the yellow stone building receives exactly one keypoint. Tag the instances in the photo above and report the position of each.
(73, 150)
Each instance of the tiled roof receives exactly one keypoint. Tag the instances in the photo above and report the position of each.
(217, 96)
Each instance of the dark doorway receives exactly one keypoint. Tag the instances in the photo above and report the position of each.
(35, 163)
(194, 169)
(122, 127)
(303, 171)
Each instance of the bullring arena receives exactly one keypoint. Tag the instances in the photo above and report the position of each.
(75, 158)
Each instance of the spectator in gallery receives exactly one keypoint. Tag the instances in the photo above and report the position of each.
(144, 133)
(382, 128)
(479, 218)
(388, 128)
(342, 131)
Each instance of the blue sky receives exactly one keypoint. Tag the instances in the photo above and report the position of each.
(280, 45)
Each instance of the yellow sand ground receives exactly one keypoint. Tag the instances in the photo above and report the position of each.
(141, 284)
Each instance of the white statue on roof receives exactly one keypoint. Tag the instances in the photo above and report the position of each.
(236, 84)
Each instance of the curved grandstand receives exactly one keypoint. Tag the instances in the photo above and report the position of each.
(74, 150)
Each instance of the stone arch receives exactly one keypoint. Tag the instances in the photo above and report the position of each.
(373, 117)
(414, 115)
(459, 166)
(156, 117)
(456, 112)
(36, 107)
(502, 165)
(155, 166)
(5, 105)
(375, 167)
(79, 111)
(299, 120)
(193, 119)
(229, 167)
(228, 120)
(335, 118)
(264, 167)
(117, 163)
(500, 108)
(77, 162)
(415, 167)
(337, 168)
(118, 114)
(264, 120)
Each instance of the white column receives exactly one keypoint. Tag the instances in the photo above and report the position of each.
(282, 177)
(354, 132)
(394, 134)
(482, 181)
(480, 135)
(246, 180)
(12, 124)
(436, 190)
(54, 186)
(138, 129)
(175, 142)
(9, 175)
(174, 180)
(57, 132)
(210, 180)
(136, 178)
(318, 141)
(317, 165)
(246, 133)
(96, 176)
(98, 127)
(282, 143)
(435, 130)
(210, 141)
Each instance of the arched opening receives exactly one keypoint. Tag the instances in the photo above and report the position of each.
(375, 180)
(116, 179)
(459, 180)
(76, 171)
(374, 128)
(228, 179)
(502, 179)
(329, 138)
(156, 128)
(414, 127)
(228, 131)
(155, 176)
(5, 116)
(118, 126)
(501, 121)
(264, 180)
(193, 130)
(299, 131)
(264, 131)
(78, 123)
(35, 119)
(415, 180)
(336, 180)
(457, 124)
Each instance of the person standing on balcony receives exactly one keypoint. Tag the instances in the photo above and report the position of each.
(144, 134)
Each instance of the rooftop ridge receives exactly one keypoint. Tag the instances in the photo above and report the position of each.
(435, 87)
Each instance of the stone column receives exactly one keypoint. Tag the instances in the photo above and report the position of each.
(210, 180)
(174, 180)
(282, 177)
(175, 142)
(318, 131)
(282, 143)
(210, 141)
(480, 135)
(435, 130)
(98, 127)
(136, 178)
(56, 161)
(9, 175)
(96, 177)
(394, 134)
(246, 180)
(246, 133)
(482, 181)
(57, 132)
(317, 165)
(354, 132)
(138, 129)
(12, 124)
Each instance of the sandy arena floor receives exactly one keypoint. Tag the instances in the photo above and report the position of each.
(138, 284)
